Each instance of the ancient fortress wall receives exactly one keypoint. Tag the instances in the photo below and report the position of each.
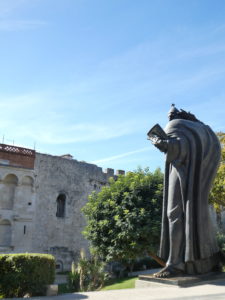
(72, 182)
(41, 197)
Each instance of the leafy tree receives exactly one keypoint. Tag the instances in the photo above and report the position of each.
(124, 218)
(217, 194)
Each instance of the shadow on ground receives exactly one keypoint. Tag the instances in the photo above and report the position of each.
(76, 296)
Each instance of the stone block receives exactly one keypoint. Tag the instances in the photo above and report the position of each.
(52, 290)
(180, 281)
(109, 172)
(120, 172)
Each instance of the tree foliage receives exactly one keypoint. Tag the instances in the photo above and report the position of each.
(217, 194)
(124, 218)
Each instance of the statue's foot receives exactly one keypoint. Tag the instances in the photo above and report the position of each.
(168, 272)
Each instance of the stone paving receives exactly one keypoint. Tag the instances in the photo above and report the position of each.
(213, 291)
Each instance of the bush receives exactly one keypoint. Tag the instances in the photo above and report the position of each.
(92, 274)
(221, 241)
(146, 262)
(73, 279)
(87, 275)
(121, 269)
(23, 274)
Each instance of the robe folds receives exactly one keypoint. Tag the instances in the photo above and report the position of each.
(193, 156)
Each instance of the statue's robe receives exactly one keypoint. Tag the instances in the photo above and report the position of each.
(193, 156)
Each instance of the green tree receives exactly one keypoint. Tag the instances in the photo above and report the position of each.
(124, 218)
(217, 194)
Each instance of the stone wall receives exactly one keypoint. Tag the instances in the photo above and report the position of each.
(17, 204)
(74, 180)
(40, 207)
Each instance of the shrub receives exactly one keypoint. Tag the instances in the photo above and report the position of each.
(121, 269)
(23, 274)
(221, 241)
(92, 272)
(146, 262)
(73, 279)
(87, 275)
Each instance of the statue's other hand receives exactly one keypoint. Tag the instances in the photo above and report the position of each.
(162, 145)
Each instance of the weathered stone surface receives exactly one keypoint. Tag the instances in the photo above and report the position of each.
(28, 206)
(182, 281)
(52, 290)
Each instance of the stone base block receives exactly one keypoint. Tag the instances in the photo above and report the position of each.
(52, 290)
(139, 284)
(181, 281)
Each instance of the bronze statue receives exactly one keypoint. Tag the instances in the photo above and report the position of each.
(193, 152)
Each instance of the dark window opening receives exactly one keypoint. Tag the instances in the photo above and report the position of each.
(61, 202)
(59, 266)
(24, 229)
(29, 203)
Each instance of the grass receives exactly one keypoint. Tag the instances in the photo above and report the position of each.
(120, 283)
(63, 289)
(111, 284)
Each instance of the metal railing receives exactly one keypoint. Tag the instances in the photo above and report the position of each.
(17, 150)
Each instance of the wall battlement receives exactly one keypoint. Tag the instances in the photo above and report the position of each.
(23, 157)
(111, 173)
(108, 172)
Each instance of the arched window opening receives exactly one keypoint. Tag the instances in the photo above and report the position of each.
(11, 179)
(59, 266)
(7, 191)
(27, 180)
(5, 233)
(61, 203)
(27, 189)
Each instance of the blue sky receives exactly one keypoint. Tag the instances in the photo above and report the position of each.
(91, 77)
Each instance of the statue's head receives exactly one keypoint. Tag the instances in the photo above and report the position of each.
(173, 113)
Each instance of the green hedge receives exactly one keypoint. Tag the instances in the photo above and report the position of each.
(22, 274)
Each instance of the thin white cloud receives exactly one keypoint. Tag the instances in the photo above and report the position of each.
(8, 6)
(198, 78)
(19, 101)
(68, 134)
(58, 136)
(39, 117)
(124, 80)
(146, 68)
(219, 28)
(201, 51)
(17, 25)
(8, 22)
(115, 157)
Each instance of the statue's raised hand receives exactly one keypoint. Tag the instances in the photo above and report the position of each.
(161, 144)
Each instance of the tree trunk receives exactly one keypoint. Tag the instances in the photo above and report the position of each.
(157, 259)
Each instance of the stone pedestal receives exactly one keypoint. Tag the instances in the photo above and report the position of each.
(181, 281)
